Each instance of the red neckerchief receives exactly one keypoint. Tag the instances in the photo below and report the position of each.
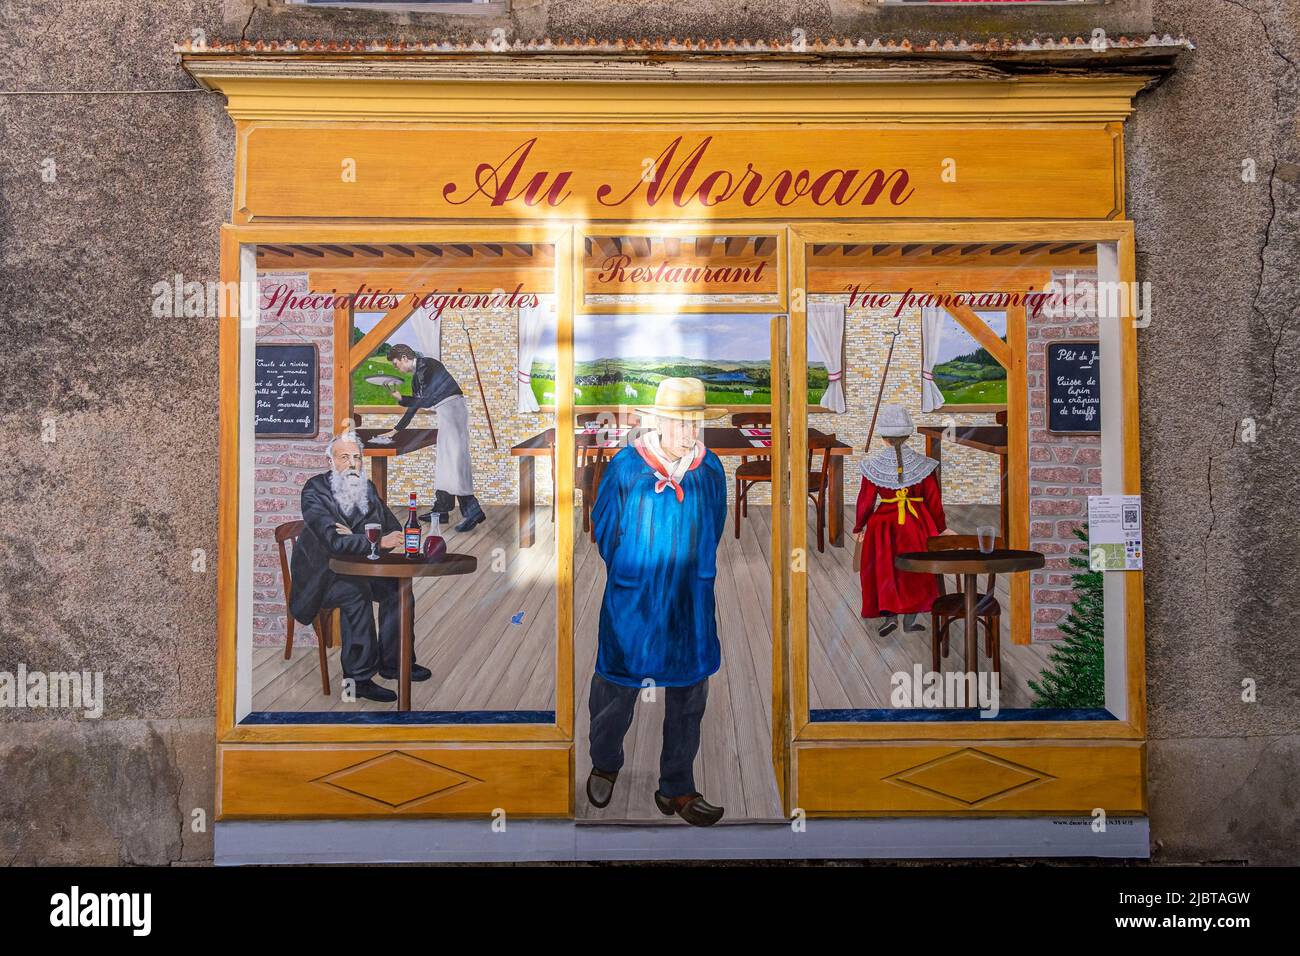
(662, 479)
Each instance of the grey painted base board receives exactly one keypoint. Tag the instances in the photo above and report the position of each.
(474, 841)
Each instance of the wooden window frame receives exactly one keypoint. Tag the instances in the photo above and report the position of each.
(236, 465)
(1126, 479)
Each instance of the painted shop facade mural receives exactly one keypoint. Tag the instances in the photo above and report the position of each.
(675, 470)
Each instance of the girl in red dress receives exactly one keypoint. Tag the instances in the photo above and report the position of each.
(909, 513)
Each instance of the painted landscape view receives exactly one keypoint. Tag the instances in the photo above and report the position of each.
(632, 381)
(368, 393)
(975, 378)
(621, 359)
(966, 373)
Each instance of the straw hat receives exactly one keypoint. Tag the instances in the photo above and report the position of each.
(682, 399)
(895, 422)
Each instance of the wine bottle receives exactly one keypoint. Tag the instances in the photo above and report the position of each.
(411, 532)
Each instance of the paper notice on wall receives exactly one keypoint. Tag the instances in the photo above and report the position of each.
(1115, 532)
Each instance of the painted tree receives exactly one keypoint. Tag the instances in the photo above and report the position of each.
(1075, 674)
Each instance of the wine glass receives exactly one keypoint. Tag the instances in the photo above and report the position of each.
(986, 534)
(373, 532)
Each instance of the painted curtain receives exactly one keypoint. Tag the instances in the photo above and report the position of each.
(532, 320)
(932, 321)
(826, 326)
(428, 332)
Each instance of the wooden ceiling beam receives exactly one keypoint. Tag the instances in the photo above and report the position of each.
(608, 245)
(641, 246)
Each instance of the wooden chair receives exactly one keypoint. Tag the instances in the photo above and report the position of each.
(590, 465)
(324, 623)
(819, 481)
(752, 469)
(948, 608)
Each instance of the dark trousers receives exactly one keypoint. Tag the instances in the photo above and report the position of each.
(611, 715)
(362, 655)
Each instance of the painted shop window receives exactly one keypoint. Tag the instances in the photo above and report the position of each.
(914, 473)
(672, 572)
(388, 504)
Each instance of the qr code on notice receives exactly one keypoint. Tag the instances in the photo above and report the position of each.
(1130, 517)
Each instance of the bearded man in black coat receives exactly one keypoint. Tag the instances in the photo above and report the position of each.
(336, 507)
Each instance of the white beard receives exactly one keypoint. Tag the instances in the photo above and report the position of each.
(351, 491)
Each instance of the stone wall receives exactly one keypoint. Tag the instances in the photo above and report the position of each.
(129, 597)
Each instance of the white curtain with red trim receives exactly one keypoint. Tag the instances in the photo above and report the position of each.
(932, 323)
(532, 320)
(826, 326)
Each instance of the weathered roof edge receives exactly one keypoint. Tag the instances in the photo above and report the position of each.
(663, 60)
(814, 47)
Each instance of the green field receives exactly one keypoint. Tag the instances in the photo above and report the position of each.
(608, 381)
(363, 393)
(977, 393)
(966, 382)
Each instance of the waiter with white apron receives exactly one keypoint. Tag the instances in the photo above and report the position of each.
(433, 387)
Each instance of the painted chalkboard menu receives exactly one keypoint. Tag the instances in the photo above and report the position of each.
(1073, 387)
(287, 391)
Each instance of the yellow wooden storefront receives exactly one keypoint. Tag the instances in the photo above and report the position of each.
(478, 150)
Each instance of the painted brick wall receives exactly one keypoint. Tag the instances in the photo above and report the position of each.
(1063, 469)
(284, 465)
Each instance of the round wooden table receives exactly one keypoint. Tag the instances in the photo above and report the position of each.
(969, 562)
(402, 569)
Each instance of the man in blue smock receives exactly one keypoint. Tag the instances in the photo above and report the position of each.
(658, 517)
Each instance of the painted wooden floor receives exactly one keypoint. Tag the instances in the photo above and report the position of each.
(482, 660)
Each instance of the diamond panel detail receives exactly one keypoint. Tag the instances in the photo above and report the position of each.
(396, 779)
(969, 777)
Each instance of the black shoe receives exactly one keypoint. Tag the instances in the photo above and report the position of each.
(600, 787)
(369, 690)
(443, 502)
(692, 808)
(472, 521)
(910, 625)
(888, 626)
(443, 517)
(418, 673)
